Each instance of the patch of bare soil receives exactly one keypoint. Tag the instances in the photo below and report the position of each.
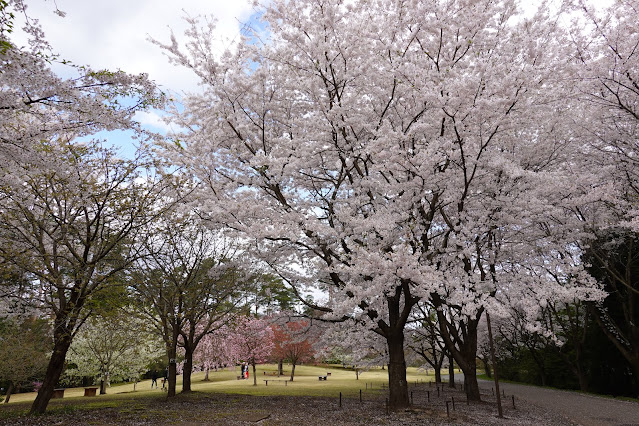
(428, 408)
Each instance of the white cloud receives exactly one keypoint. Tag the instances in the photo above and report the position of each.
(154, 120)
(114, 34)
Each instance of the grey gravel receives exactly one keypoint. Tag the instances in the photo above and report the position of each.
(582, 409)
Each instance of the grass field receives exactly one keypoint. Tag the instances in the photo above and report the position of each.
(305, 382)
(123, 403)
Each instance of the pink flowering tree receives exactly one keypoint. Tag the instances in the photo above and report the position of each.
(253, 340)
(216, 349)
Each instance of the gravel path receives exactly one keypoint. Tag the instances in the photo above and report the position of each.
(583, 409)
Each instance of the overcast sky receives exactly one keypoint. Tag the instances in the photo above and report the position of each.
(112, 34)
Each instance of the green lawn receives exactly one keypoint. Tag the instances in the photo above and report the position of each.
(305, 383)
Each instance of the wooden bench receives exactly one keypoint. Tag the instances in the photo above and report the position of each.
(276, 380)
(58, 393)
(322, 378)
(90, 391)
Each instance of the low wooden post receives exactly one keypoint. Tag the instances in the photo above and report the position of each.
(514, 402)
(340, 399)
(447, 409)
(360, 395)
(411, 397)
(387, 407)
(428, 395)
(453, 399)
(437, 391)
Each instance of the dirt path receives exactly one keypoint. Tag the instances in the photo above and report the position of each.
(583, 409)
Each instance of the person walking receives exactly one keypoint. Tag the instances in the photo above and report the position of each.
(154, 379)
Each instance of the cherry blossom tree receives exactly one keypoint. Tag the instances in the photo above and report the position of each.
(606, 41)
(391, 152)
(70, 209)
(253, 340)
(36, 104)
(215, 350)
(610, 91)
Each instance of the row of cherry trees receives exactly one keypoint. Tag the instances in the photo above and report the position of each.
(255, 341)
(459, 154)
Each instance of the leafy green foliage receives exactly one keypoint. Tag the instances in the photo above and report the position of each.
(24, 348)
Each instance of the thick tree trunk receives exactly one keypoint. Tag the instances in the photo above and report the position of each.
(171, 352)
(9, 392)
(54, 370)
(102, 386)
(465, 354)
(438, 375)
(469, 369)
(292, 371)
(206, 375)
(187, 370)
(398, 387)
(394, 333)
(471, 386)
(280, 367)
